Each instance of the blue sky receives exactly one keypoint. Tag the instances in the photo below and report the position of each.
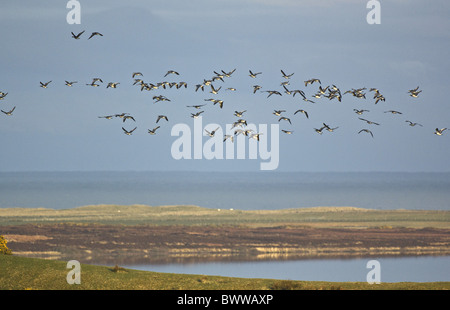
(58, 128)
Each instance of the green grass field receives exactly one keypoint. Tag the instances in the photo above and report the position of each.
(194, 215)
(19, 273)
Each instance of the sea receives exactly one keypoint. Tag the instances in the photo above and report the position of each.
(250, 191)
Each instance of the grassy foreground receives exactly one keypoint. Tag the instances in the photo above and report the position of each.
(20, 273)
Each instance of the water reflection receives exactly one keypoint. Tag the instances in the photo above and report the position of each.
(402, 269)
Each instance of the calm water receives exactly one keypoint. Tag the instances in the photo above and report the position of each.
(247, 191)
(250, 191)
(404, 269)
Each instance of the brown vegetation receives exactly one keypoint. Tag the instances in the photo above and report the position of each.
(112, 244)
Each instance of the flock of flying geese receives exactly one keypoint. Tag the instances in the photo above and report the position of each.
(331, 92)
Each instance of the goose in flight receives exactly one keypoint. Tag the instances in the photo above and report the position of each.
(302, 111)
(226, 137)
(140, 81)
(366, 130)
(122, 115)
(198, 106)
(311, 81)
(379, 98)
(413, 124)
(77, 36)
(272, 92)
(160, 98)
(70, 83)
(287, 91)
(322, 91)
(129, 133)
(214, 90)
(393, 112)
(239, 113)
(360, 112)
(171, 72)
(161, 117)
(286, 76)
(240, 123)
(358, 93)
(212, 133)
(196, 115)
(93, 84)
(127, 117)
(200, 86)
(319, 131)
(414, 92)
(9, 112)
(437, 131)
(329, 128)
(255, 136)
(289, 132)
(95, 34)
(253, 75)
(112, 84)
(218, 77)
(298, 91)
(303, 95)
(228, 74)
(368, 122)
(231, 88)
(278, 112)
(107, 116)
(153, 131)
(95, 80)
(220, 102)
(181, 84)
(137, 74)
(256, 88)
(285, 119)
(3, 95)
(238, 132)
(45, 85)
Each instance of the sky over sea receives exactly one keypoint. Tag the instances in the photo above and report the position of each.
(59, 128)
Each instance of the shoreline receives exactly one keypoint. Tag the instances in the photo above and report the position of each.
(118, 234)
(142, 244)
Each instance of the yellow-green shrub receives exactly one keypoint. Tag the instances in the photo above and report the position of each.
(3, 248)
